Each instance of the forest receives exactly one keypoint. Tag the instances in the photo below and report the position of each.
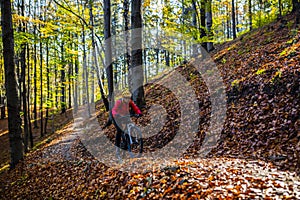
(217, 83)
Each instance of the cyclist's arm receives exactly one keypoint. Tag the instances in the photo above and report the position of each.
(135, 108)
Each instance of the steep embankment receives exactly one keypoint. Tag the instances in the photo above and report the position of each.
(261, 74)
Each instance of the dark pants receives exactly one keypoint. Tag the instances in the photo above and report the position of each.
(119, 133)
(119, 128)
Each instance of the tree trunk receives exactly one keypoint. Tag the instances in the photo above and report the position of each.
(2, 106)
(41, 88)
(28, 98)
(70, 74)
(85, 74)
(108, 52)
(14, 120)
(209, 22)
(202, 22)
(76, 60)
(228, 22)
(233, 19)
(135, 72)
(280, 8)
(48, 87)
(35, 122)
(63, 81)
(126, 22)
(237, 16)
(250, 14)
(23, 81)
(105, 101)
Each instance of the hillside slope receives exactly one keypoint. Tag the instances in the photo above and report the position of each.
(261, 73)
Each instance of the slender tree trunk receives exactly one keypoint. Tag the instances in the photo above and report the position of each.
(35, 123)
(227, 22)
(237, 16)
(23, 81)
(202, 22)
(41, 88)
(105, 100)
(135, 72)
(108, 52)
(63, 81)
(14, 120)
(56, 83)
(209, 22)
(250, 14)
(2, 108)
(233, 19)
(24, 96)
(48, 87)
(76, 78)
(145, 65)
(70, 71)
(280, 7)
(85, 73)
(28, 98)
(126, 22)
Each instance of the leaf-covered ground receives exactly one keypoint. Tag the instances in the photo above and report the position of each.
(63, 169)
(257, 156)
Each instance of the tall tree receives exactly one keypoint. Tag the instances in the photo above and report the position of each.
(233, 19)
(135, 71)
(209, 22)
(23, 80)
(108, 51)
(250, 13)
(105, 101)
(63, 80)
(280, 7)
(14, 120)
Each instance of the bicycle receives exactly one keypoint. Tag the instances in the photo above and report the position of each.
(131, 139)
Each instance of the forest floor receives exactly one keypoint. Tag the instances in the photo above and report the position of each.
(257, 156)
(56, 122)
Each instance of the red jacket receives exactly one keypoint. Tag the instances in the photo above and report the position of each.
(122, 108)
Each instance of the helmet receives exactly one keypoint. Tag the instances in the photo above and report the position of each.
(126, 94)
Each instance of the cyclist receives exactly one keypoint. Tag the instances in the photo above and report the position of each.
(122, 109)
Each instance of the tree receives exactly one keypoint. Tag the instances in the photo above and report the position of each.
(135, 71)
(14, 120)
(233, 19)
(250, 14)
(209, 22)
(105, 101)
(108, 52)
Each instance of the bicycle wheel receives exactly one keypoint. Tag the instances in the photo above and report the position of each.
(136, 146)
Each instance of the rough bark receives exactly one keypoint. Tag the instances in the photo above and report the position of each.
(135, 72)
(14, 120)
(233, 19)
(108, 51)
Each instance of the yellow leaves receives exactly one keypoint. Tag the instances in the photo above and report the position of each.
(71, 51)
(18, 19)
(146, 3)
